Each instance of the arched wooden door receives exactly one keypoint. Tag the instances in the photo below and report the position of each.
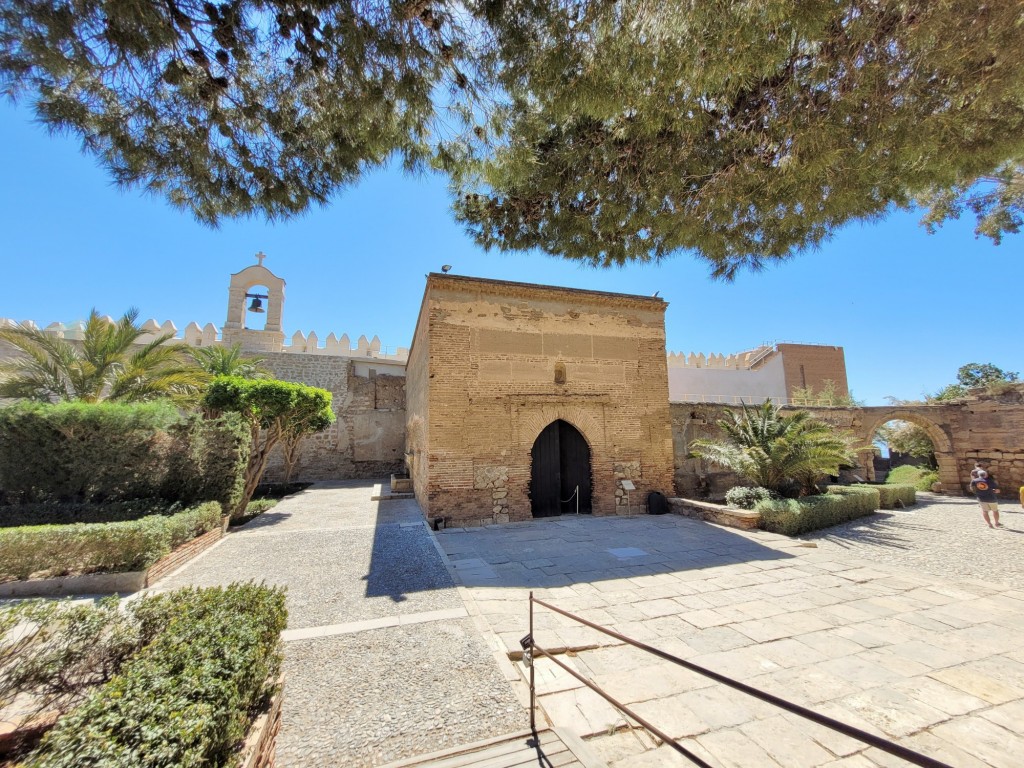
(561, 465)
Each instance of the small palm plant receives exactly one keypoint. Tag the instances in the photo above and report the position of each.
(771, 450)
(229, 361)
(109, 363)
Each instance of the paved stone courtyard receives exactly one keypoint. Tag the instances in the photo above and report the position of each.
(907, 625)
(928, 654)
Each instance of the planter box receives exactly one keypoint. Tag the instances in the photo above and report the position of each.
(400, 484)
(109, 583)
(746, 519)
(261, 743)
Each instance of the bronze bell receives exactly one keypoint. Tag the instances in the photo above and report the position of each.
(256, 306)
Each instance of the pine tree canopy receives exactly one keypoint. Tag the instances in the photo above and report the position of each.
(595, 130)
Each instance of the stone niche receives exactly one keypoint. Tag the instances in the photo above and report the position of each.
(495, 363)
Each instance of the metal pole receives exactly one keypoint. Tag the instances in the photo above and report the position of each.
(533, 688)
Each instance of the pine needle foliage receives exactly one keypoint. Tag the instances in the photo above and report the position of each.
(771, 450)
(109, 363)
(601, 132)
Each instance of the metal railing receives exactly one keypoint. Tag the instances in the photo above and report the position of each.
(531, 649)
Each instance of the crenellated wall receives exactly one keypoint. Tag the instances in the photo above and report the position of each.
(208, 335)
(767, 372)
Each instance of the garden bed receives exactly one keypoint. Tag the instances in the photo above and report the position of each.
(124, 555)
(184, 678)
(711, 512)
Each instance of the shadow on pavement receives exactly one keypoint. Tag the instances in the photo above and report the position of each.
(568, 550)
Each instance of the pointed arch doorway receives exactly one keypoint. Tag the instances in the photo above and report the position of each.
(560, 471)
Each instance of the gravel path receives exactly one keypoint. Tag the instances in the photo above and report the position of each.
(942, 535)
(384, 689)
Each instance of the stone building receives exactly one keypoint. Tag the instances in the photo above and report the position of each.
(529, 400)
(768, 372)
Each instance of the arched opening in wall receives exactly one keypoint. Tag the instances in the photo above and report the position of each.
(906, 453)
(257, 300)
(560, 478)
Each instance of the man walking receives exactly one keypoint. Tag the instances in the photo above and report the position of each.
(985, 488)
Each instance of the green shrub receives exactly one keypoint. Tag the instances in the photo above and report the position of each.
(744, 497)
(870, 492)
(63, 649)
(83, 451)
(59, 550)
(54, 513)
(186, 699)
(791, 517)
(254, 509)
(919, 477)
(208, 461)
(98, 452)
(892, 496)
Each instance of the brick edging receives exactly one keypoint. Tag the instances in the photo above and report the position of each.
(168, 563)
(260, 745)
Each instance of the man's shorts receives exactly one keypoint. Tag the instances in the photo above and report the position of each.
(989, 506)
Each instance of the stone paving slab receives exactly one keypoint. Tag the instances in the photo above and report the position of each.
(894, 645)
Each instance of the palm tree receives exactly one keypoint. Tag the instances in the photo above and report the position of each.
(770, 449)
(228, 361)
(108, 363)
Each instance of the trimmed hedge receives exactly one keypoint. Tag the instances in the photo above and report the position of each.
(99, 452)
(791, 517)
(870, 491)
(84, 512)
(896, 496)
(130, 545)
(186, 699)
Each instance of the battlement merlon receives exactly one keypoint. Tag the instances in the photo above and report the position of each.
(210, 335)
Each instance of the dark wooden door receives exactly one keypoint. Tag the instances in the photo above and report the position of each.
(561, 465)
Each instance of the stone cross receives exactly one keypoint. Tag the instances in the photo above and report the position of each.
(260, 256)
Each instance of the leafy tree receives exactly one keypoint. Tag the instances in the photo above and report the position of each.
(975, 375)
(275, 411)
(828, 395)
(109, 363)
(909, 438)
(771, 449)
(229, 361)
(996, 200)
(605, 132)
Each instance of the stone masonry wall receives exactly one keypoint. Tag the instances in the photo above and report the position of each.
(507, 359)
(983, 427)
(368, 438)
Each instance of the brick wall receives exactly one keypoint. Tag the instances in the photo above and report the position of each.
(482, 377)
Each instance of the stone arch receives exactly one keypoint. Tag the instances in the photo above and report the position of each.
(533, 422)
(241, 283)
(941, 440)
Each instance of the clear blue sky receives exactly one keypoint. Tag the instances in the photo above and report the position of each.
(909, 308)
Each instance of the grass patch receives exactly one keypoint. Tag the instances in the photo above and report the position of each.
(919, 477)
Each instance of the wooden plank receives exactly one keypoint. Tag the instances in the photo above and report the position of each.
(441, 757)
(497, 755)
